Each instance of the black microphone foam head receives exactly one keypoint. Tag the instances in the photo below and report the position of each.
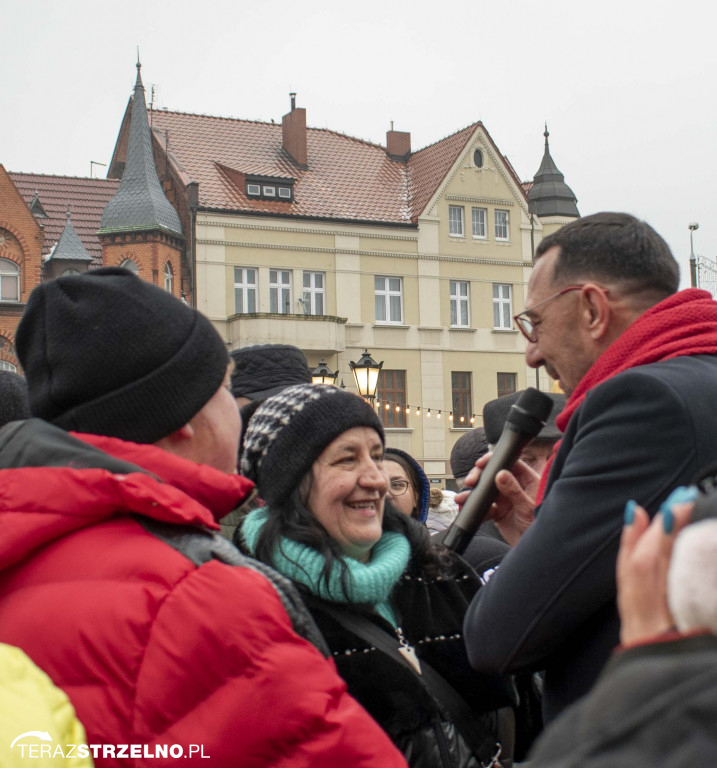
(529, 412)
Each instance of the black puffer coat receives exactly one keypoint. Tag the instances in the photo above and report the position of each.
(430, 614)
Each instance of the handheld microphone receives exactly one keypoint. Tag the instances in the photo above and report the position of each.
(527, 416)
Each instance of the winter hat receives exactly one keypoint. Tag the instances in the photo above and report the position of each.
(692, 577)
(110, 354)
(467, 450)
(495, 412)
(265, 369)
(14, 404)
(289, 431)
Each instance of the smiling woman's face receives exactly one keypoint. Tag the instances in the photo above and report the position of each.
(348, 491)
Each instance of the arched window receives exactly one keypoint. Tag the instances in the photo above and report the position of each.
(5, 366)
(68, 272)
(131, 266)
(9, 280)
(168, 278)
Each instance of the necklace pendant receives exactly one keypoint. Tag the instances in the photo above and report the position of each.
(409, 653)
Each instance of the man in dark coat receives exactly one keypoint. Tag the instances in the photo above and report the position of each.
(638, 361)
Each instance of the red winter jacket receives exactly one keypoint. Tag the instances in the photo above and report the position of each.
(150, 648)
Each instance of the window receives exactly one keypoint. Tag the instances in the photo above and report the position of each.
(501, 225)
(5, 366)
(9, 280)
(269, 188)
(506, 383)
(131, 266)
(480, 228)
(168, 278)
(389, 299)
(478, 158)
(314, 299)
(461, 398)
(69, 272)
(392, 392)
(280, 291)
(244, 290)
(455, 220)
(502, 307)
(460, 317)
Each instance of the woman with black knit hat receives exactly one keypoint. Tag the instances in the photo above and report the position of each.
(389, 603)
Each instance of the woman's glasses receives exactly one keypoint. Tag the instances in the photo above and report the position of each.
(398, 487)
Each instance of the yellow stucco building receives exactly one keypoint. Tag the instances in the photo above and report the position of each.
(310, 237)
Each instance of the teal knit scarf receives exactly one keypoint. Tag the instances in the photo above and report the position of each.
(368, 583)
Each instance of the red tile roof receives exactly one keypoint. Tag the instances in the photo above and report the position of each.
(429, 166)
(347, 178)
(87, 199)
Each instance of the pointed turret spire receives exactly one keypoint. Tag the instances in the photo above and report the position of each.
(69, 247)
(550, 195)
(140, 202)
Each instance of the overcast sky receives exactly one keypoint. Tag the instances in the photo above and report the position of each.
(627, 88)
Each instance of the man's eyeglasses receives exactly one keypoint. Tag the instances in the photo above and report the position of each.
(525, 324)
(398, 487)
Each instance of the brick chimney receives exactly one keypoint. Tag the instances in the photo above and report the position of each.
(398, 144)
(293, 133)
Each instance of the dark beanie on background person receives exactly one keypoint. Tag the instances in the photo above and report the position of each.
(495, 412)
(289, 431)
(14, 404)
(263, 370)
(467, 450)
(108, 353)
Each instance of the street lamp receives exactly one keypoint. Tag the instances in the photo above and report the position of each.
(322, 374)
(692, 226)
(366, 375)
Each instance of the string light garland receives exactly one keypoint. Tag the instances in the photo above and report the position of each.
(462, 421)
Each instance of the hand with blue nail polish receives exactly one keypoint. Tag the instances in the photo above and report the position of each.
(642, 565)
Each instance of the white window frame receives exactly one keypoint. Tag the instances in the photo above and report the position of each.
(388, 310)
(314, 298)
(476, 223)
(245, 290)
(502, 306)
(9, 278)
(456, 216)
(254, 190)
(502, 225)
(7, 366)
(268, 191)
(280, 291)
(168, 278)
(285, 193)
(460, 303)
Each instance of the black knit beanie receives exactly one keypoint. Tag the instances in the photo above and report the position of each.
(14, 404)
(289, 431)
(110, 354)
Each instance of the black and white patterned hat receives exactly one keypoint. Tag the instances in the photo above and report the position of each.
(289, 431)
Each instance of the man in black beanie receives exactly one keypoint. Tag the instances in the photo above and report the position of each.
(112, 577)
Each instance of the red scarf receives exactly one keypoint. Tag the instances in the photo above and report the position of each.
(683, 324)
